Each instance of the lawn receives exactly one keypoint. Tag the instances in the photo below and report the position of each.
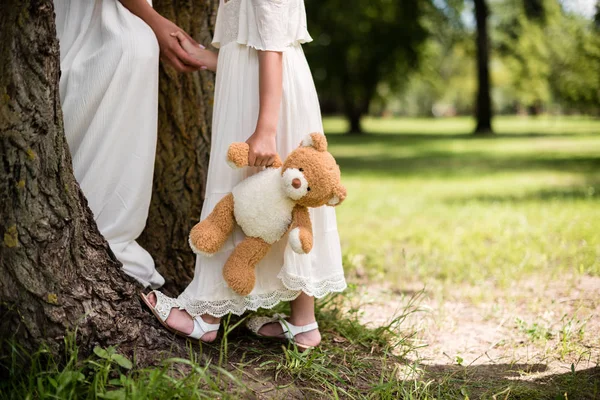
(474, 266)
(427, 204)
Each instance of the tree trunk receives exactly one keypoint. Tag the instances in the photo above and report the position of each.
(484, 103)
(57, 272)
(185, 112)
(354, 117)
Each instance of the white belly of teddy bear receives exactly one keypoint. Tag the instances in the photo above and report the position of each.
(261, 208)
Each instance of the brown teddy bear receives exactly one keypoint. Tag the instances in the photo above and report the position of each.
(268, 205)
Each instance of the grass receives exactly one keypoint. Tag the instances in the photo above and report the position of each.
(429, 205)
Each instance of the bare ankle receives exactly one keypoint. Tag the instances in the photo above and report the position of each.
(301, 320)
(209, 319)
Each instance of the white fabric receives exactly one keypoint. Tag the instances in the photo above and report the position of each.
(109, 96)
(283, 274)
(262, 24)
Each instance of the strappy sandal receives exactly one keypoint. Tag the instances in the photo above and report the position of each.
(162, 309)
(289, 330)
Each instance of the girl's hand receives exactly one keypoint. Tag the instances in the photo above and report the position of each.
(207, 58)
(263, 148)
(170, 48)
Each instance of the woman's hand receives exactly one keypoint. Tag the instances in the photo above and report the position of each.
(207, 58)
(171, 50)
(263, 148)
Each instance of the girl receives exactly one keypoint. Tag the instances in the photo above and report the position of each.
(265, 96)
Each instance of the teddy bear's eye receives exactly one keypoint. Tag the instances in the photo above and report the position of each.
(301, 169)
(308, 189)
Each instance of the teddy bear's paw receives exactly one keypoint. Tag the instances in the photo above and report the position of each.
(232, 164)
(295, 242)
(197, 250)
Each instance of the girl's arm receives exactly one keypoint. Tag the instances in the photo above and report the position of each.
(170, 49)
(262, 143)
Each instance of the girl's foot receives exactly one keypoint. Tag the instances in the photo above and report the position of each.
(305, 339)
(183, 322)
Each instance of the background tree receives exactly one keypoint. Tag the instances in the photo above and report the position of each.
(574, 47)
(484, 102)
(57, 272)
(185, 112)
(360, 44)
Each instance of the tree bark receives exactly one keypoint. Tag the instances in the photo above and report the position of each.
(57, 273)
(185, 112)
(484, 103)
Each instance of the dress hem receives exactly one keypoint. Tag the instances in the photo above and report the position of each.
(294, 285)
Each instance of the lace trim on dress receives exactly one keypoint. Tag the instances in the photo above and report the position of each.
(294, 285)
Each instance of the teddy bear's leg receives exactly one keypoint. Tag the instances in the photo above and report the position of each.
(209, 235)
(239, 269)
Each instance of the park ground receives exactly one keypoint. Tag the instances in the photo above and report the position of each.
(474, 271)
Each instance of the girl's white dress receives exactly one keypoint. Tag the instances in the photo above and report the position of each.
(244, 27)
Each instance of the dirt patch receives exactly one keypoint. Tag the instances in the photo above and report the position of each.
(538, 327)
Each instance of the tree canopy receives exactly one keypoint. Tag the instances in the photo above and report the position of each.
(358, 45)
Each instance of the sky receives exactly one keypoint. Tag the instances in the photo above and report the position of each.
(583, 7)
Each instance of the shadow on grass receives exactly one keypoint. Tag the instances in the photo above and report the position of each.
(587, 191)
(410, 155)
(511, 381)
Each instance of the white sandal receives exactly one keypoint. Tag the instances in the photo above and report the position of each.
(289, 330)
(162, 309)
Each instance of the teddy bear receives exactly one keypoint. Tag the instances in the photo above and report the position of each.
(269, 204)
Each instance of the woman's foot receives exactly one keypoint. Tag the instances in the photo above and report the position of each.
(306, 339)
(181, 321)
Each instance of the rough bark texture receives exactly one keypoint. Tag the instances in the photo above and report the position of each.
(484, 103)
(57, 272)
(185, 110)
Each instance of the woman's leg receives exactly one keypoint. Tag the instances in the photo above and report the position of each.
(303, 313)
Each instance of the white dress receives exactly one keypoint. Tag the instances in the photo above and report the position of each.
(109, 96)
(243, 27)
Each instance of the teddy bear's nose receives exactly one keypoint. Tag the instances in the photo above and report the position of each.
(296, 183)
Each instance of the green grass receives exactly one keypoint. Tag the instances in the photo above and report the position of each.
(428, 204)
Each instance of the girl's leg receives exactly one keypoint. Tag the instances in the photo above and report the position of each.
(303, 313)
(181, 321)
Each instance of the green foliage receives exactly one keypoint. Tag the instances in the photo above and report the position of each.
(544, 58)
(575, 76)
(552, 55)
(109, 375)
(360, 44)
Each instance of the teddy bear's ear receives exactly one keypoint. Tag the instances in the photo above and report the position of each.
(316, 140)
(339, 194)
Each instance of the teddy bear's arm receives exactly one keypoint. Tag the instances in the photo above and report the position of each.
(301, 235)
(237, 156)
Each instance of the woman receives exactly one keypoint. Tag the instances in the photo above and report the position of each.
(109, 53)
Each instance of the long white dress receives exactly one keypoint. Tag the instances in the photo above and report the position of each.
(244, 27)
(109, 96)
